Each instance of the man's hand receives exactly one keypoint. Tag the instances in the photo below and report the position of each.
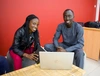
(60, 49)
(32, 56)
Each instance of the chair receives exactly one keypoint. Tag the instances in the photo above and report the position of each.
(25, 61)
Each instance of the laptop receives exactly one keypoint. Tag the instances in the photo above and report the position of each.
(56, 60)
(40, 48)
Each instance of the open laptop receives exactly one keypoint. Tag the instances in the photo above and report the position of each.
(56, 60)
(39, 49)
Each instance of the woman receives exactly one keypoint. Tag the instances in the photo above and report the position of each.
(24, 38)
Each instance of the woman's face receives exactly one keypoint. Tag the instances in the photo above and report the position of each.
(33, 24)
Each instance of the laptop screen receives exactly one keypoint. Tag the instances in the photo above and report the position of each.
(56, 60)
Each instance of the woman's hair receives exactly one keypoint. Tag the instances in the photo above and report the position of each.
(28, 19)
(26, 26)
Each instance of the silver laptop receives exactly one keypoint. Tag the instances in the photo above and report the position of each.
(56, 60)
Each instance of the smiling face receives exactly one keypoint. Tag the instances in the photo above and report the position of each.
(33, 24)
(68, 17)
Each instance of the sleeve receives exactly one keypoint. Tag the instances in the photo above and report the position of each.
(80, 40)
(57, 36)
(16, 43)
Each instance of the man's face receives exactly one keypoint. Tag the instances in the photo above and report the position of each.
(68, 17)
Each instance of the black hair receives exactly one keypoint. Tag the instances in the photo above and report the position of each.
(68, 10)
(28, 18)
(26, 26)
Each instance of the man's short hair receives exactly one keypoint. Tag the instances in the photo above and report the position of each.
(68, 10)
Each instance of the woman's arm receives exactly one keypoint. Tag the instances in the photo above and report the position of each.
(17, 42)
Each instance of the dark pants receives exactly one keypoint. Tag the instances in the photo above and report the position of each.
(78, 54)
(4, 67)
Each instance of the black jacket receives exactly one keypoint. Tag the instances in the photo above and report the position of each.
(20, 41)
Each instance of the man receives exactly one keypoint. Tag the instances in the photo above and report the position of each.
(72, 34)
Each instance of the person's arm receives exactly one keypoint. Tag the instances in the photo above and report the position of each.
(32, 56)
(57, 36)
(80, 40)
(17, 42)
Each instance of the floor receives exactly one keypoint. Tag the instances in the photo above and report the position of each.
(92, 67)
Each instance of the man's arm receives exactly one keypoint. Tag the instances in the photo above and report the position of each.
(57, 36)
(80, 40)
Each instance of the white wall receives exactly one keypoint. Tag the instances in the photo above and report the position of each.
(97, 10)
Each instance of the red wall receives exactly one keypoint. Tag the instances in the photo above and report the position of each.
(14, 12)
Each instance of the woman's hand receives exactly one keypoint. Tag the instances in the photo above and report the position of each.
(32, 56)
(60, 49)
